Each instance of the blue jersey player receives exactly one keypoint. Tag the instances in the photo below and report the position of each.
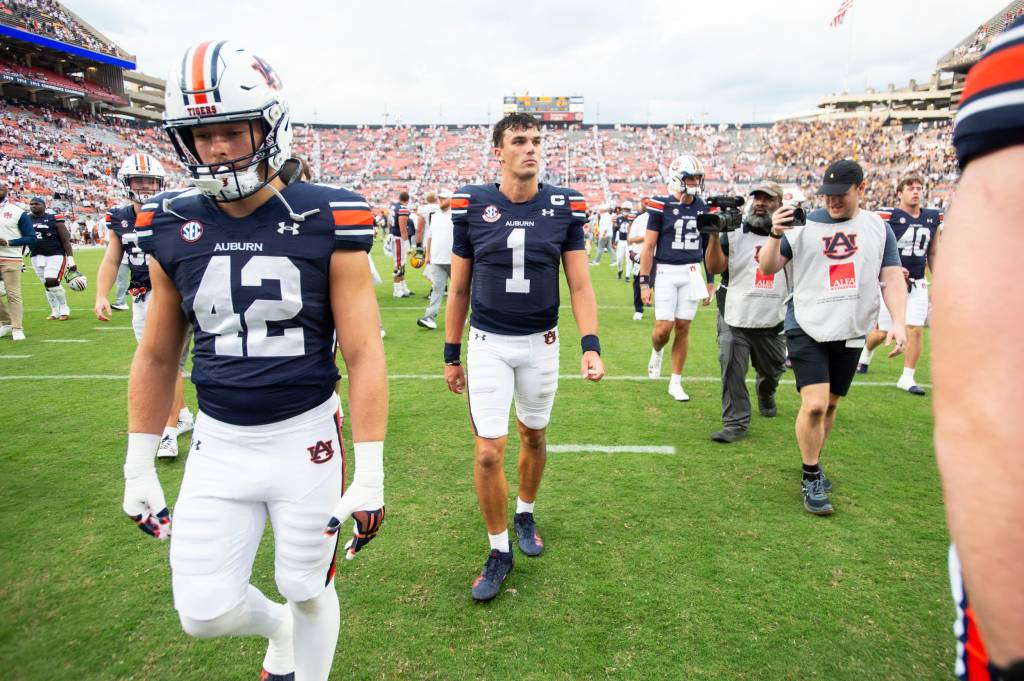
(268, 270)
(402, 229)
(142, 177)
(510, 241)
(917, 234)
(52, 257)
(674, 251)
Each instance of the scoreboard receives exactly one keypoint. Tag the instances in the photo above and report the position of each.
(548, 109)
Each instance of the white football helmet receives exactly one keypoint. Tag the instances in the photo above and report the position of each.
(682, 167)
(627, 205)
(221, 82)
(77, 281)
(140, 165)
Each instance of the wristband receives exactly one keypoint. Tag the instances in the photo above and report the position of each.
(773, 235)
(369, 466)
(452, 352)
(644, 279)
(591, 342)
(141, 453)
(1015, 672)
(71, 261)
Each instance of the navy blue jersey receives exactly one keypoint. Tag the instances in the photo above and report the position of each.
(121, 221)
(398, 210)
(622, 223)
(257, 292)
(913, 236)
(679, 240)
(516, 249)
(47, 239)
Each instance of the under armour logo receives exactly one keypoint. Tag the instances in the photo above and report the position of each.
(547, 212)
(196, 444)
(282, 228)
(480, 336)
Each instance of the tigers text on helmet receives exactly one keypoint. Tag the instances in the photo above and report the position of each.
(220, 82)
(683, 167)
(144, 166)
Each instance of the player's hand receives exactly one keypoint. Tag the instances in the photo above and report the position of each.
(711, 292)
(455, 377)
(364, 501)
(897, 335)
(102, 309)
(144, 503)
(782, 219)
(591, 366)
(645, 295)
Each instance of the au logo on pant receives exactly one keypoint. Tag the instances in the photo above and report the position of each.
(322, 451)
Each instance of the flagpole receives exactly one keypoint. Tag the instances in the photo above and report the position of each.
(849, 50)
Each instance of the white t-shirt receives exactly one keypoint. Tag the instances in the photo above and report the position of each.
(442, 237)
(604, 225)
(637, 228)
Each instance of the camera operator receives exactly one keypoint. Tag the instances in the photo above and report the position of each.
(835, 263)
(751, 307)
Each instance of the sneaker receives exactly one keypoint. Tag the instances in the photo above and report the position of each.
(184, 425)
(637, 316)
(909, 386)
(766, 406)
(5, 329)
(727, 436)
(267, 676)
(168, 448)
(862, 368)
(826, 484)
(51, 318)
(530, 542)
(17, 335)
(495, 571)
(64, 317)
(815, 497)
(427, 323)
(654, 366)
(120, 306)
(677, 392)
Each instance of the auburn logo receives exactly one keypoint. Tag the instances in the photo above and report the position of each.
(840, 245)
(321, 452)
(264, 69)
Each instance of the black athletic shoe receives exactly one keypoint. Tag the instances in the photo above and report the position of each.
(495, 571)
(267, 676)
(914, 390)
(530, 542)
(815, 498)
(862, 368)
(728, 435)
(766, 406)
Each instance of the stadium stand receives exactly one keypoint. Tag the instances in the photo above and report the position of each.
(51, 19)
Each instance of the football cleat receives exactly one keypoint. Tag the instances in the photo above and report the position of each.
(120, 306)
(637, 316)
(654, 365)
(909, 386)
(677, 392)
(815, 497)
(267, 676)
(184, 425)
(168, 448)
(862, 368)
(495, 572)
(530, 542)
(427, 323)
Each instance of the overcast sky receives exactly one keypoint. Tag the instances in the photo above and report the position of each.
(640, 61)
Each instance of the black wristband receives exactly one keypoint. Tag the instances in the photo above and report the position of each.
(1015, 672)
(644, 279)
(773, 235)
(590, 342)
(452, 352)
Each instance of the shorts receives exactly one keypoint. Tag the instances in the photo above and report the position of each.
(499, 367)
(236, 476)
(674, 293)
(139, 309)
(50, 266)
(971, 656)
(917, 307)
(833, 362)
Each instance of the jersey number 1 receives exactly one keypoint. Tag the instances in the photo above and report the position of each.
(216, 314)
(517, 242)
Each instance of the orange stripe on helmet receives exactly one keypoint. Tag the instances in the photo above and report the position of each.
(1000, 68)
(143, 166)
(198, 70)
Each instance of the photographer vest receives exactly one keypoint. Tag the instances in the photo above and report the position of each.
(835, 268)
(755, 300)
(10, 214)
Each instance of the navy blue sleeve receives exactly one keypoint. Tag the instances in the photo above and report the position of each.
(461, 245)
(574, 239)
(891, 256)
(353, 223)
(787, 251)
(28, 232)
(654, 208)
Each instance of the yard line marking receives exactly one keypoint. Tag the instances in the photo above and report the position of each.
(68, 340)
(612, 449)
(15, 356)
(440, 377)
(111, 328)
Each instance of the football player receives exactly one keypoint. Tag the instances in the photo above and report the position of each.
(916, 231)
(401, 234)
(674, 248)
(510, 239)
(622, 222)
(142, 178)
(52, 256)
(267, 269)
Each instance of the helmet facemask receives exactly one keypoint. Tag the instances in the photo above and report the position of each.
(137, 195)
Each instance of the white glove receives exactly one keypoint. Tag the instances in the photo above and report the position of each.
(143, 497)
(364, 500)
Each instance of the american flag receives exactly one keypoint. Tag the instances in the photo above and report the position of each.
(841, 13)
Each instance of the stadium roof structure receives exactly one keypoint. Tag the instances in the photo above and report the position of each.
(962, 56)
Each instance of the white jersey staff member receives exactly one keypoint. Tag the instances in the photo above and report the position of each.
(836, 262)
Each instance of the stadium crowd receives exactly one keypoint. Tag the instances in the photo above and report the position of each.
(48, 18)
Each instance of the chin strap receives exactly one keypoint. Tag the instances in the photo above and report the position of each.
(298, 217)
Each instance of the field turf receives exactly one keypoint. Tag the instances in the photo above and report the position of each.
(700, 564)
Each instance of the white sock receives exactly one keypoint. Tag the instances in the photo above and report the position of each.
(397, 289)
(499, 542)
(60, 300)
(865, 355)
(280, 655)
(316, 624)
(524, 507)
(52, 300)
(676, 379)
(171, 431)
(908, 375)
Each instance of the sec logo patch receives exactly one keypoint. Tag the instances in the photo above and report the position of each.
(192, 231)
(491, 214)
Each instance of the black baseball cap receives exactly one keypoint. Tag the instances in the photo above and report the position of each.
(840, 176)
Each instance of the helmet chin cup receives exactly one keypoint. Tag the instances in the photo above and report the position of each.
(229, 185)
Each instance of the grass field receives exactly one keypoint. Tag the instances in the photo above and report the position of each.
(697, 565)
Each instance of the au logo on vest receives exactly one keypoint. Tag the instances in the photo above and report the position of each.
(840, 246)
